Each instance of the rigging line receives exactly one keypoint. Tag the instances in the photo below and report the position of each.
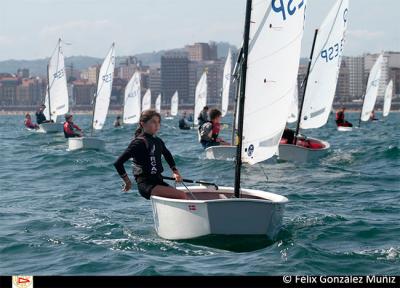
(191, 193)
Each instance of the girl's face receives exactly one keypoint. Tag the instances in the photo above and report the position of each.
(217, 119)
(152, 126)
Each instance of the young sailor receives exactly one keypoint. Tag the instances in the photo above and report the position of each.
(183, 123)
(70, 129)
(40, 117)
(209, 131)
(203, 116)
(288, 136)
(372, 117)
(117, 122)
(146, 150)
(340, 118)
(28, 122)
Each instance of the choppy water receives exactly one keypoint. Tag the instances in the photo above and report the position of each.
(63, 212)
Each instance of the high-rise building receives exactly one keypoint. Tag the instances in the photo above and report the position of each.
(202, 51)
(29, 92)
(91, 74)
(23, 73)
(155, 83)
(83, 92)
(356, 82)
(8, 90)
(175, 76)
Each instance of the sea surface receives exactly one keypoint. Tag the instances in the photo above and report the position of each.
(63, 213)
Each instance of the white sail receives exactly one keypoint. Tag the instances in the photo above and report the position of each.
(388, 99)
(104, 87)
(325, 66)
(174, 104)
(273, 61)
(46, 111)
(226, 84)
(372, 89)
(158, 103)
(200, 97)
(146, 103)
(294, 106)
(132, 103)
(58, 83)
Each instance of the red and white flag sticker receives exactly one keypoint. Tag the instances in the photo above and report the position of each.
(22, 281)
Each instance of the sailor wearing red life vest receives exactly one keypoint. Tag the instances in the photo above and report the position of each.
(70, 129)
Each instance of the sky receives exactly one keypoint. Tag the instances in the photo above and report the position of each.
(29, 29)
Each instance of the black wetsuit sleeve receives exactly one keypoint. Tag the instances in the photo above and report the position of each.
(168, 156)
(135, 149)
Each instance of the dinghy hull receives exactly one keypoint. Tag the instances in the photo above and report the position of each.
(218, 213)
(221, 153)
(86, 143)
(344, 129)
(303, 154)
(51, 128)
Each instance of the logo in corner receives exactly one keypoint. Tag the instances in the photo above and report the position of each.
(22, 281)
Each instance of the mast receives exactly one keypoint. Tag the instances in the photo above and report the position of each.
(242, 97)
(48, 89)
(305, 87)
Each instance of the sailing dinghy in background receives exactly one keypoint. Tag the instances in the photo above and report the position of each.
(56, 99)
(319, 86)
(100, 109)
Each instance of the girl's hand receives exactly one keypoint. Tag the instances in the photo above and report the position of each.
(177, 176)
(127, 184)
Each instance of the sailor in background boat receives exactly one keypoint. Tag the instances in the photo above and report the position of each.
(28, 122)
(288, 136)
(340, 118)
(183, 123)
(70, 129)
(117, 122)
(40, 117)
(146, 150)
(372, 117)
(209, 131)
(203, 116)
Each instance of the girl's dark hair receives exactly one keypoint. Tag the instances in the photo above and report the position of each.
(146, 116)
(214, 113)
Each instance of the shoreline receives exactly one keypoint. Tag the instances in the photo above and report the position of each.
(116, 112)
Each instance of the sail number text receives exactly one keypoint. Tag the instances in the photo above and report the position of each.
(287, 8)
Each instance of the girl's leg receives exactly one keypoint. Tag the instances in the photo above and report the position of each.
(168, 192)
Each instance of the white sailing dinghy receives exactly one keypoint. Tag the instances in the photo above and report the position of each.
(269, 67)
(146, 102)
(158, 103)
(319, 86)
(372, 90)
(132, 100)
(56, 99)
(200, 97)
(101, 104)
(224, 152)
(388, 99)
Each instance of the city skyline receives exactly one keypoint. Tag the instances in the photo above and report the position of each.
(168, 25)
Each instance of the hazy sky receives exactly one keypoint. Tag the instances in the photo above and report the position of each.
(29, 29)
